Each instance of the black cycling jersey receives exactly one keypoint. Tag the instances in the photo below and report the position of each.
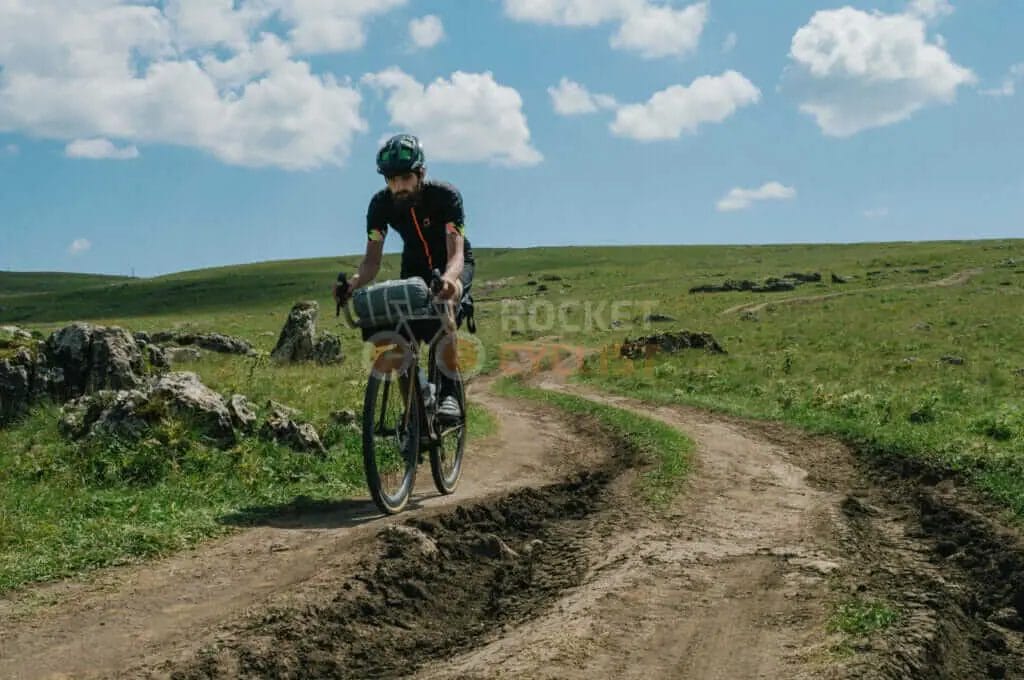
(422, 226)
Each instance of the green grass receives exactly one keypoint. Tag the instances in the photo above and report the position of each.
(866, 366)
(862, 617)
(664, 448)
(19, 283)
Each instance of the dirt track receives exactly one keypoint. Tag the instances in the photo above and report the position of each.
(543, 566)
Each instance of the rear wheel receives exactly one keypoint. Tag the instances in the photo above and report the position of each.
(391, 435)
(446, 454)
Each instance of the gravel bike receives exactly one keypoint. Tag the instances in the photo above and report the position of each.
(400, 421)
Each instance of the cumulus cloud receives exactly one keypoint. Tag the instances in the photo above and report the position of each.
(876, 213)
(1008, 88)
(190, 73)
(100, 148)
(79, 246)
(11, 150)
(861, 70)
(570, 98)
(329, 25)
(426, 32)
(930, 9)
(468, 117)
(649, 29)
(678, 109)
(741, 199)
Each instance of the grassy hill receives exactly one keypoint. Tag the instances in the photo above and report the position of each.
(20, 283)
(919, 354)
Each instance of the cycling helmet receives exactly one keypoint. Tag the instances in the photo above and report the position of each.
(400, 154)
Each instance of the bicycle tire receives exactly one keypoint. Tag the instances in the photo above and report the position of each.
(445, 468)
(379, 461)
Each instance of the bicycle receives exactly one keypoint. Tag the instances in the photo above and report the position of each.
(394, 440)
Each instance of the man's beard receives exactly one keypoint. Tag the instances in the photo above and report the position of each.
(405, 199)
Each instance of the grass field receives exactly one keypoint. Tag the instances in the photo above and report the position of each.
(867, 365)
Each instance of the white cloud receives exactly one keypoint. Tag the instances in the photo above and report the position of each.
(426, 32)
(11, 150)
(330, 25)
(741, 199)
(83, 69)
(864, 70)
(729, 44)
(661, 31)
(652, 30)
(100, 148)
(876, 213)
(678, 109)
(930, 9)
(467, 118)
(570, 98)
(79, 246)
(1009, 85)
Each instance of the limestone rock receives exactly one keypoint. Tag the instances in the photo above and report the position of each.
(242, 413)
(281, 427)
(327, 349)
(182, 393)
(296, 340)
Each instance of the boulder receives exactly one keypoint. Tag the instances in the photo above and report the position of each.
(158, 358)
(670, 343)
(280, 426)
(242, 413)
(26, 378)
(93, 358)
(182, 394)
(120, 413)
(327, 349)
(296, 340)
(836, 278)
(214, 342)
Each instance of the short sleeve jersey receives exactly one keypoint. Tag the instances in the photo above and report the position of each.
(423, 226)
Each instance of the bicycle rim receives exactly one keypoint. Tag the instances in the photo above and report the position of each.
(390, 440)
(446, 454)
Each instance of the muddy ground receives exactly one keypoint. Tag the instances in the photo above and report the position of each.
(544, 565)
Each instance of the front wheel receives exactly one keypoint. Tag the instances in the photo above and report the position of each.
(391, 435)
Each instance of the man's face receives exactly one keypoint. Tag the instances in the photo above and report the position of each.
(404, 187)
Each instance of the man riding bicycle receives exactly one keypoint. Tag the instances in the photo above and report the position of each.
(428, 215)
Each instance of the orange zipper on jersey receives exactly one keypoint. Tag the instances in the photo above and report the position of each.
(419, 232)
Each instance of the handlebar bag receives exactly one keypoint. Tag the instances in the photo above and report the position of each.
(383, 304)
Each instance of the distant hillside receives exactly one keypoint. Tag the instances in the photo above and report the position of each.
(270, 287)
(17, 283)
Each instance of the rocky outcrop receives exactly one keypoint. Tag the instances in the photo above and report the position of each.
(770, 285)
(94, 358)
(299, 341)
(130, 413)
(242, 414)
(214, 342)
(280, 426)
(670, 343)
(26, 378)
(297, 338)
(184, 395)
(327, 349)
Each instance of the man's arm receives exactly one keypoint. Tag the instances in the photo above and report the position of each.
(456, 259)
(368, 269)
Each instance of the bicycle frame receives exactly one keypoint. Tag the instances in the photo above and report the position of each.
(403, 328)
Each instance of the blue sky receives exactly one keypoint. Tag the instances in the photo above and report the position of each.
(130, 140)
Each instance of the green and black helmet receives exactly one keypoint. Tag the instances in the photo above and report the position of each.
(400, 154)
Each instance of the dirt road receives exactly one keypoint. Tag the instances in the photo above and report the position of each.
(543, 565)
